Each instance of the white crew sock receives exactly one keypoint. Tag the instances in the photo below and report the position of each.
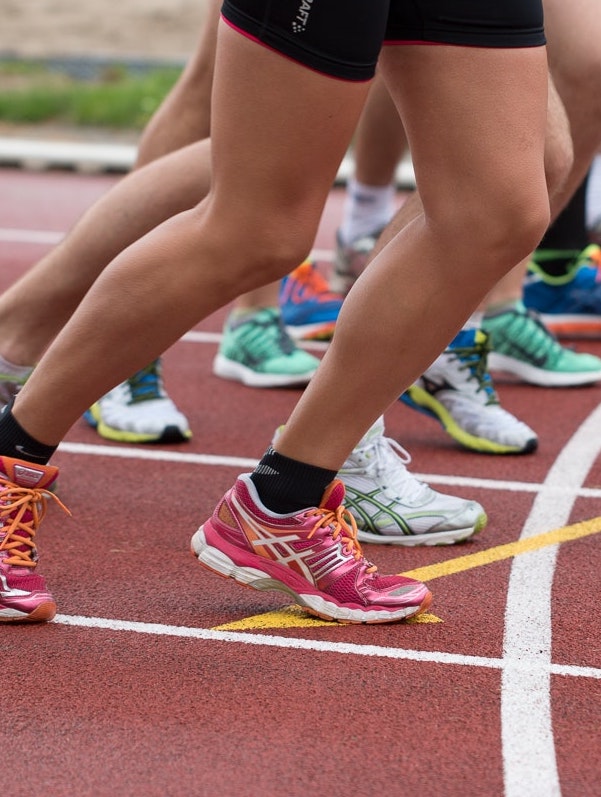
(367, 209)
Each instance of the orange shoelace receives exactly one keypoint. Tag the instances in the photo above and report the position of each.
(18, 533)
(345, 527)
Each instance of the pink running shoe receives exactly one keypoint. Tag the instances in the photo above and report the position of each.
(312, 556)
(24, 490)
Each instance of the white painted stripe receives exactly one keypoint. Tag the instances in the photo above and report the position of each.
(21, 236)
(201, 337)
(220, 460)
(529, 757)
(322, 646)
(125, 452)
(195, 336)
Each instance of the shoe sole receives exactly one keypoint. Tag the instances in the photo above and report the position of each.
(573, 326)
(221, 564)
(170, 434)
(433, 538)
(236, 372)
(540, 376)
(42, 613)
(312, 331)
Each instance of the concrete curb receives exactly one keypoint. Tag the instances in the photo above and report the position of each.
(89, 158)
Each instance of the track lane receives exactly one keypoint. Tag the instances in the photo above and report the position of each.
(414, 720)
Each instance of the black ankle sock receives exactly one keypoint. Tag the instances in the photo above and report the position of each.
(286, 485)
(15, 442)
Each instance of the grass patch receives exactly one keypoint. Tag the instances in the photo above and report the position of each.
(116, 98)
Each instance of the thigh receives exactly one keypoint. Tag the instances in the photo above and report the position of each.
(280, 126)
(574, 31)
(474, 115)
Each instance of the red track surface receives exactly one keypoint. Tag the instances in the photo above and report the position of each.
(132, 691)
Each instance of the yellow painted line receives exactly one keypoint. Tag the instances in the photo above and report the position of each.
(287, 617)
(296, 617)
(507, 551)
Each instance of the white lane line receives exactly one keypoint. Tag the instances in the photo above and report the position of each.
(220, 460)
(529, 757)
(52, 237)
(322, 646)
(155, 455)
(195, 336)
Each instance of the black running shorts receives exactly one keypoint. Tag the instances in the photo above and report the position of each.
(343, 38)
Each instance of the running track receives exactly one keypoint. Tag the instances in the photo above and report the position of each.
(158, 679)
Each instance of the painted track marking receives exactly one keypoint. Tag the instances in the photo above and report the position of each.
(508, 551)
(321, 646)
(528, 743)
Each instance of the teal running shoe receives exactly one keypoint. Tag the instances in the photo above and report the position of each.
(257, 350)
(522, 345)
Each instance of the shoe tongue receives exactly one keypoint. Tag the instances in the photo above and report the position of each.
(26, 474)
(333, 496)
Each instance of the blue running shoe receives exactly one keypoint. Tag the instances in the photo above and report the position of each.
(309, 308)
(570, 305)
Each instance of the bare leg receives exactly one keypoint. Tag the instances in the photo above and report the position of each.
(185, 115)
(575, 65)
(257, 224)
(380, 138)
(36, 307)
(575, 61)
(439, 244)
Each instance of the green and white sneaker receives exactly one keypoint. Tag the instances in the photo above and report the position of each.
(257, 350)
(391, 506)
(139, 411)
(523, 346)
(458, 392)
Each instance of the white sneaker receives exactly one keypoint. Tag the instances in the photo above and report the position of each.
(457, 391)
(392, 506)
(139, 411)
(350, 261)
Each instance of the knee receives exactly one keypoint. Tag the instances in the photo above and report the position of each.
(498, 226)
(515, 225)
(259, 248)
